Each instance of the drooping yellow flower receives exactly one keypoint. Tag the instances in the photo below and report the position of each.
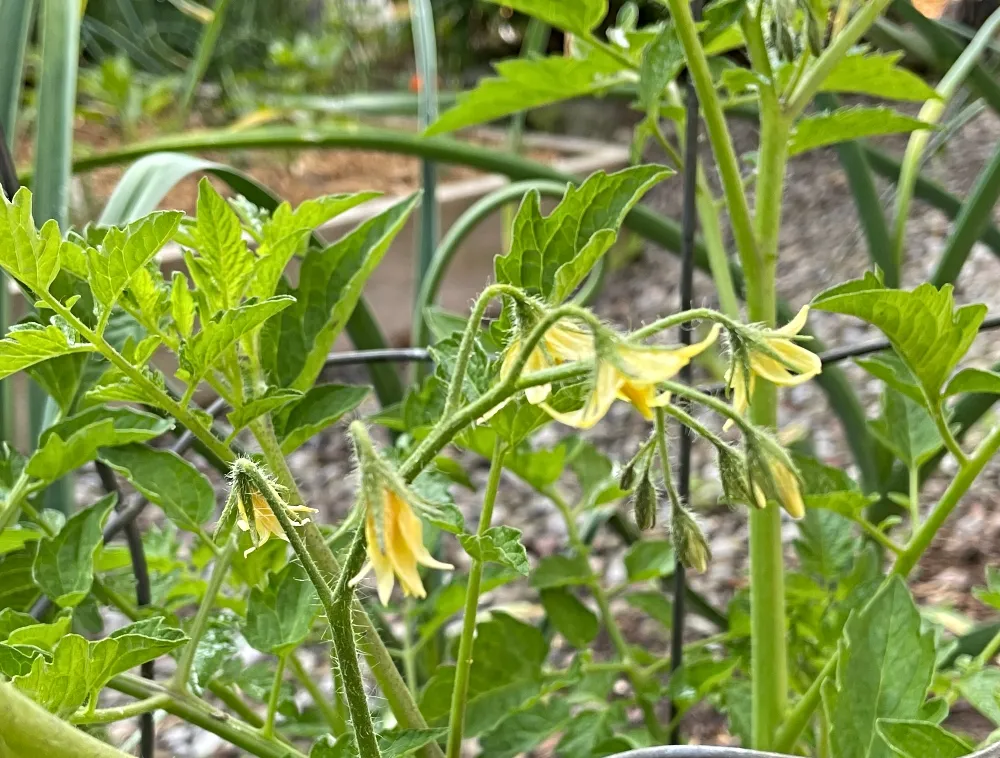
(797, 364)
(264, 522)
(400, 549)
(564, 342)
(631, 372)
(786, 484)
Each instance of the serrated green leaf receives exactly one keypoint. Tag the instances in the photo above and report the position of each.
(826, 540)
(885, 667)
(29, 345)
(847, 503)
(62, 685)
(329, 746)
(166, 480)
(11, 466)
(125, 252)
(649, 559)
(64, 565)
(435, 503)
(199, 354)
(149, 298)
(279, 618)
(506, 673)
(26, 255)
(561, 571)
(321, 406)
(576, 16)
(285, 232)
(525, 83)
(920, 739)
(845, 124)
(220, 242)
(295, 345)
(142, 641)
(43, 636)
(551, 255)
(16, 661)
(891, 370)
(923, 325)
(11, 620)
(399, 742)
(499, 544)
(450, 599)
(182, 305)
(525, 730)
(906, 429)
(973, 380)
(271, 401)
(571, 618)
(878, 75)
(75, 441)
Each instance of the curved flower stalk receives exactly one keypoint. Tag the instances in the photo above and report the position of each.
(772, 355)
(394, 533)
(631, 372)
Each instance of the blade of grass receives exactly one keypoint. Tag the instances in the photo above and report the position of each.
(202, 57)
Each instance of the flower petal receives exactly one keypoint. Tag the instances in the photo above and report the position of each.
(567, 341)
(788, 490)
(796, 357)
(773, 371)
(794, 326)
(641, 396)
(383, 569)
(657, 364)
(597, 403)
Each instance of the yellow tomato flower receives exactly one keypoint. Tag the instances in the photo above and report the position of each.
(631, 374)
(564, 342)
(786, 484)
(797, 364)
(265, 523)
(400, 549)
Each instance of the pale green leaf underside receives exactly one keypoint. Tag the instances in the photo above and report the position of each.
(906, 429)
(923, 325)
(26, 347)
(523, 84)
(847, 124)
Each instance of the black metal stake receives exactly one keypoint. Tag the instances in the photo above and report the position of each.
(689, 224)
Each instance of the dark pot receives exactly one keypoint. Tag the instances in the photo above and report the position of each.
(698, 751)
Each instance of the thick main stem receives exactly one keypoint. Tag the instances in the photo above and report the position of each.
(769, 658)
(466, 643)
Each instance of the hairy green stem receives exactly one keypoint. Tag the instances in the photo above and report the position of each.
(272, 701)
(199, 713)
(215, 580)
(108, 715)
(326, 706)
(466, 643)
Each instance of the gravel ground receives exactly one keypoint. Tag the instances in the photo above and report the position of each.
(821, 245)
